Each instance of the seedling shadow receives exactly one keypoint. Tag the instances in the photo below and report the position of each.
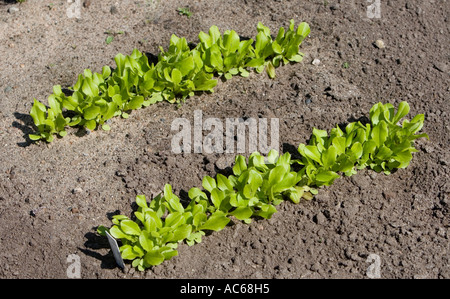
(363, 119)
(152, 58)
(6, 2)
(26, 125)
(96, 242)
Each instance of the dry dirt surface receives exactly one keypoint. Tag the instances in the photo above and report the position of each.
(53, 196)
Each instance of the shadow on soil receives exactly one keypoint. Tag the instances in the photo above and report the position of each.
(4, 2)
(95, 242)
(25, 125)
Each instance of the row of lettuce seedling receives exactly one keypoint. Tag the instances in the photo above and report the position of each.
(179, 72)
(260, 183)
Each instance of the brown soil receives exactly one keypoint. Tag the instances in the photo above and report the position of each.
(53, 196)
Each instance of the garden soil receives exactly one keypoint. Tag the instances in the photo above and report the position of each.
(53, 196)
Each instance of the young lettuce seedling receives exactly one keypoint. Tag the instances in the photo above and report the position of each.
(382, 145)
(178, 74)
(256, 187)
(225, 55)
(254, 190)
(285, 48)
(184, 11)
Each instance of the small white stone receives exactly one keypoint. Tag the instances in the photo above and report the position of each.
(380, 44)
(77, 190)
(316, 61)
(13, 9)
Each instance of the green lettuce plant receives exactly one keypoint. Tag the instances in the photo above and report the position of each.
(383, 145)
(269, 53)
(179, 72)
(258, 185)
(225, 56)
(252, 191)
(185, 11)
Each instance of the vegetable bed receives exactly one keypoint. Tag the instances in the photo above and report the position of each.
(359, 179)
